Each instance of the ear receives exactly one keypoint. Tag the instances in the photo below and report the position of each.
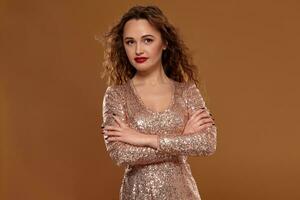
(165, 45)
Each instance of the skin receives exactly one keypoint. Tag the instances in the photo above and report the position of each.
(140, 38)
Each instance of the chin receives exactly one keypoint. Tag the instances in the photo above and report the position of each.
(142, 67)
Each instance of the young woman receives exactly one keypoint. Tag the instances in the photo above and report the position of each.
(154, 115)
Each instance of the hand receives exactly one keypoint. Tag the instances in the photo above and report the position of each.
(123, 133)
(198, 120)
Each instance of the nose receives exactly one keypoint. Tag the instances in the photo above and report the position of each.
(138, 49)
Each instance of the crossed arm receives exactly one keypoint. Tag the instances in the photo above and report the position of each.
(161, 147)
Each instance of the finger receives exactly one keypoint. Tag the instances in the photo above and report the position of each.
(202, 115)
(202, 120)
(199, 111)
(113, 139)
(197, 119)
(194, 114)
(119, 121)
(201, 123)
(111, 133)
(209, 119)
(112, 128)
(206, 120)
(202, 126)
(207, 125)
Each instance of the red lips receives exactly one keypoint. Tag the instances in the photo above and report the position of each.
(140, 59)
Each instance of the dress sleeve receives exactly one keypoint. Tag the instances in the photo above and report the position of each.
(123, 153)
(199, 143)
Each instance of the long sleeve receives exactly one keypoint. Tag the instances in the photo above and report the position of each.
(123, 153)
(199, 143)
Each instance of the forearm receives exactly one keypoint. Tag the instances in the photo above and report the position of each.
(152, 141)
(126, 154)
(201, 143)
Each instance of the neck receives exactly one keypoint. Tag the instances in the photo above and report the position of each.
(154, 77)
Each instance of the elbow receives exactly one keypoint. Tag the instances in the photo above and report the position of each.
(117, 154)
(211, 150)
(207, 144)
(121, 163)
(207, 151)
(119, 159)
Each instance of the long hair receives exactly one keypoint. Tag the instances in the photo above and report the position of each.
(176, 60)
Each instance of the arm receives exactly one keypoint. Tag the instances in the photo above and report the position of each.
(199, 143)
(123, 153)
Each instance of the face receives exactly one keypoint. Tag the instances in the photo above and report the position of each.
(141, 39)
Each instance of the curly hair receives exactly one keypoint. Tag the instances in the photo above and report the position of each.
(176, 60)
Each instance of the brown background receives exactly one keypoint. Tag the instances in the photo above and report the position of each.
(51, 97)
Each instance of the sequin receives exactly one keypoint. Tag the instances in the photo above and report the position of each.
(162, 173)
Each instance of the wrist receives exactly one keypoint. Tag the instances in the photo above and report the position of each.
(152, 141)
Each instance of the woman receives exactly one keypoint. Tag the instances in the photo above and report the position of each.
(154, 116)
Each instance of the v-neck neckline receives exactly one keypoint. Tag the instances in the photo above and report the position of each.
(141, 102)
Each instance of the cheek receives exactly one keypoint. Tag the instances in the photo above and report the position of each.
(129, 52)
(155, 50)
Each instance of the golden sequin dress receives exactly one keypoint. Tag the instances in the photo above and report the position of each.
(163, 173)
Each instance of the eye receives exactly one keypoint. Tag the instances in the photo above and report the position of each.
(148, 40)
(129, 42)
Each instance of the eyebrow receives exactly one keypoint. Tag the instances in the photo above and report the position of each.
(142, 36)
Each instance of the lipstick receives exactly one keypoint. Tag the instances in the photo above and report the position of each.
(140, 59)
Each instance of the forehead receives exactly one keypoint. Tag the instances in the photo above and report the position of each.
(138, 27)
